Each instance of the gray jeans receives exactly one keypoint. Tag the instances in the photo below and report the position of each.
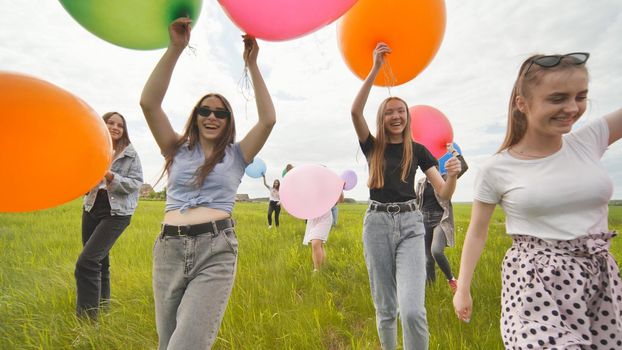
(395, 257)
(100, 231)
(192, 281)
(435, 243)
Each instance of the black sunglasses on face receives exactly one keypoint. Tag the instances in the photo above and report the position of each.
(218, 113)
(550, 61)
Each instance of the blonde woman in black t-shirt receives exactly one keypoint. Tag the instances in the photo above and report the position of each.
(393, 231)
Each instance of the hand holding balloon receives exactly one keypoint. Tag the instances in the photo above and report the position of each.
(380, 53)
(179, 32)
(251, 50)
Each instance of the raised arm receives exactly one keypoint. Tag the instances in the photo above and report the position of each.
(614, 122)
(360, 125)
(257, 136)
(157, 85)
(264, 181)
(474, 243)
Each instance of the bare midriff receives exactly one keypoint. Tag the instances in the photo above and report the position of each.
(194, 216)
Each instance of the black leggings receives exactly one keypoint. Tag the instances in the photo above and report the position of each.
(276, 208)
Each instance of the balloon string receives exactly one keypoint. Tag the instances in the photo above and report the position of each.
(245, 87)
(389, 77)
(192, 50)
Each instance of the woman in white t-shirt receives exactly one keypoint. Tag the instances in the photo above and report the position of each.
(275, 201)
(561, 286)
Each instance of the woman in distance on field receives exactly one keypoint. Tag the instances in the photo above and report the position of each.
(195, 255)
(561, 286)
(393, 231)
(108, 209)
(274, 204)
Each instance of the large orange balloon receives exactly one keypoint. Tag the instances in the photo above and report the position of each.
(413, 29)
(53, 146)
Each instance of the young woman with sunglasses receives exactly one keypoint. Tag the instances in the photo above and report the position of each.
(108, 209)
(195, 254)
(561, 286)
(393, 231)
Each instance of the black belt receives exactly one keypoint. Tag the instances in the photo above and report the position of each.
(212, 227)
(393, 208)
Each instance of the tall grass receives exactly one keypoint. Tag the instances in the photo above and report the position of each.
(277, 302)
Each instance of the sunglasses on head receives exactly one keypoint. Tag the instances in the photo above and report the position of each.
(218, 113)
(550, 61)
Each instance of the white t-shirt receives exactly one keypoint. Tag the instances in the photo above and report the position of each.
(559, 197)
(274, 194)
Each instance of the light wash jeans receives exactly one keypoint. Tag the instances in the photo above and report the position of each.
(395, 259)
(192, 281)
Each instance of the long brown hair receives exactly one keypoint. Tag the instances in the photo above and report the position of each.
(517, 120)
(191, 135)
(124, 141)
(376, 165)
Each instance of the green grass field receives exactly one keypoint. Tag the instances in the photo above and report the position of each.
(277, 302)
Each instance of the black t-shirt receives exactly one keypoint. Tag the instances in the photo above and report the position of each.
(430, 204)
(395, 190)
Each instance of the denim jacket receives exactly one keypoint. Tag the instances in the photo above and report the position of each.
(124, 187)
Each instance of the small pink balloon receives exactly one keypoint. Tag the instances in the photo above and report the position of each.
(430, 127)
(350, 178)
(277, 20)
(309, 191)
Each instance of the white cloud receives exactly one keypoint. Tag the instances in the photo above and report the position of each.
(469, 80)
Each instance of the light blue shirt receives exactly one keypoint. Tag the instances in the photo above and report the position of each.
(219, 188)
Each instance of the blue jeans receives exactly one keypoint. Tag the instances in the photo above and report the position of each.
(435, 243)
(192, 281)
(335, 211)
(393, 244)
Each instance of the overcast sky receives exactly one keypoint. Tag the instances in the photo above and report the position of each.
(469, 80)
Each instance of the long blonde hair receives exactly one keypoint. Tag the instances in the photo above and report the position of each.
(377, 162)
(517, 120)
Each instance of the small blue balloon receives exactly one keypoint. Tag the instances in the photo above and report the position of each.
(256, 169)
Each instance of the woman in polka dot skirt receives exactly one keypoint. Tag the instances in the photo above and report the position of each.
(561, 286)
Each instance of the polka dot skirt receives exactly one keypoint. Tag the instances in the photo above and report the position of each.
(561, 295)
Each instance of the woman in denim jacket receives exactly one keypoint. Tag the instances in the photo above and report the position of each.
(108, 209)
(438, 220)
(195, 255)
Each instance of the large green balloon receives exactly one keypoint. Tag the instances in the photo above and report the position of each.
(134, 24)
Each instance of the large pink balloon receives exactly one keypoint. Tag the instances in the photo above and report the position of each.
(309, 191)
(283, 19)
(430, 127)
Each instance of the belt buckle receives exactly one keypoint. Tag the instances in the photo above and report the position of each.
(179, 227)
(393, 206)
